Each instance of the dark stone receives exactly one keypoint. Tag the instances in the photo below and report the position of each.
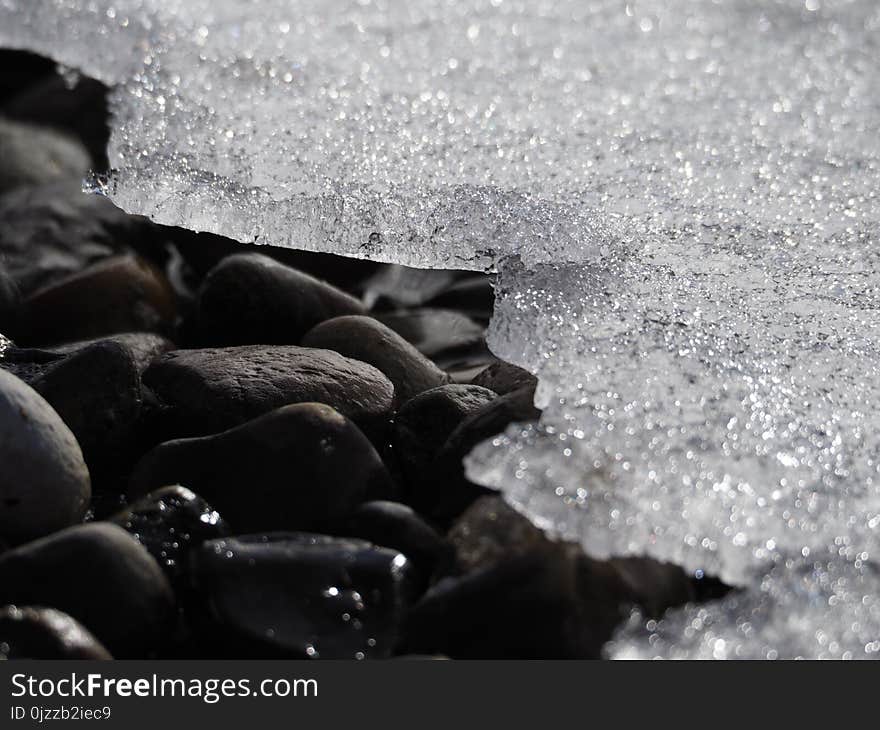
(424, 423)
(206, 391)
(448, 338)
(252, 299)
(491, 531)
(445, 492)
(300, 595)
(397, 526)
(78, 109)
(144, 347)
(52, 231)
(300, 467)
(44, 633)
(170, 522)
(370, 341)
(119, 294)
(35, 155)
(102, 577)
(97, 392)
(504, 378)
(474, 296)
(44, 482)
(654, 586)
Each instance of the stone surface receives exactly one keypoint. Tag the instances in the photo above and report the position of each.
(252, 299)
(424, 423)
(170, 522)
(368, 340)
(34, 155)
(303, 466)
(45, 633)
(119, 294)
(96, 389)
(301, 595)
(206, 391)
(504, 378)
(102, 577)
(445, 336)
(44, 482)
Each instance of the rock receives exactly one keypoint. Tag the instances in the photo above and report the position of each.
(53, 231)
(35, 155)
(96, 390)
(206, 391)
(170, 522)
(144, 347)
(491, 531)
(474, 296)
(394, 525)
(301, 595)
(78, 109)
(102, 577)
(446, 337)
(252, 299)
(369, 341)
(445, 493)
(44, 633)
(504, 378)
(119, 294)
(303, 466)
(424, 423)
(44, 482)
(551, 602)
(653, 585)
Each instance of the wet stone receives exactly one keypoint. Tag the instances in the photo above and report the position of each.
(170, 522)
(253, 299)
(368, 340)
(206, 391)
(34, 155)
(102, 577)
(119, 294)
(44, 482)
(300, 595)
(424, 423)
(303, 466)
(45, 633)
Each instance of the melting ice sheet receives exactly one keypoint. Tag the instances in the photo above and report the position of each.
(681, 199)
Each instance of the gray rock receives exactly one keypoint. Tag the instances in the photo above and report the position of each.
(424, 423)
(370, 341)
(118, 294)
(301, 595)
(35, 155)
(102, 577)
(45, 633)
(252, 299)
(504, 378)
(44, 482)
(210, 390)
(52, 231)
(303, 466)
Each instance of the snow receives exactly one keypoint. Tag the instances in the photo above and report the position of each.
(681, 200)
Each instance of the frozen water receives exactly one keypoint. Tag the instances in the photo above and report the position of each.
(681, 199)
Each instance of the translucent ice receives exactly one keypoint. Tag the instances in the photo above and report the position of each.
(681, 199)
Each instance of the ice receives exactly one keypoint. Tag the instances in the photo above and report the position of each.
(680, 198)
